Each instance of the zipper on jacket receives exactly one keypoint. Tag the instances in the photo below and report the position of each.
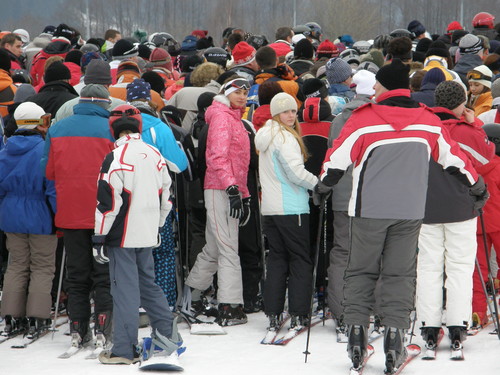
(300, 221)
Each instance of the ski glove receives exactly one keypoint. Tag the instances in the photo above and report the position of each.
(480, 194)
(235, 203)
(99, 251)
(246, 212)
(320, 192)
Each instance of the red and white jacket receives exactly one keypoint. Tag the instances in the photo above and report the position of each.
(228, 147)
(133, 194)
(390, 148)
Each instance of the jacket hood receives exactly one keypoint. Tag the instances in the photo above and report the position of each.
(20, 144)
(221, 104)
(316, 110)
(90, 109)
(266, 134)
(398, 117)
(261, 115)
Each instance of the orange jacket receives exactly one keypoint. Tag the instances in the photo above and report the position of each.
(7, 91)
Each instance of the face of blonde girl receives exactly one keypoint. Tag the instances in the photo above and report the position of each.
(238, 98)
(288, 117)
(476, 88)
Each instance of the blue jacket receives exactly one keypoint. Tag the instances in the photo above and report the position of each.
(156, 133)
(27, 198)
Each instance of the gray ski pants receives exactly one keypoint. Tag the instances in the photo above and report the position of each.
(132, 276)
(385, 249)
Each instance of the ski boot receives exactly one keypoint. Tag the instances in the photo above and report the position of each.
(37, 326)
(457, 335)
(394, 348)
(377, 324)
(103, 329)
(297, 322)
(159, 345)
(274, 322)
(430, 336)
(479, 320)
(80, 333)
(231, 314)
(11, 325)
(341, 330)
(356, 345)
(252, 305)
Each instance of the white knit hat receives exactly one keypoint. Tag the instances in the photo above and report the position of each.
(486, 72)
(27, 115)
(282, 102)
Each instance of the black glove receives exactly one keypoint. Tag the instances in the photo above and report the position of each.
(480, 194)
(246, 212)
(235, 204)
(99, 251)
(320, 192)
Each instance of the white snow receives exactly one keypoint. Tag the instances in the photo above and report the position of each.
(240, 352)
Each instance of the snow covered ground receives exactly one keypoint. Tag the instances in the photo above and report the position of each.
(240, 352)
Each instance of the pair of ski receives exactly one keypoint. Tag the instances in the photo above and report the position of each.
(27, 339)
(98, 346)
(413, 351)
(272, 338)
(430, 354)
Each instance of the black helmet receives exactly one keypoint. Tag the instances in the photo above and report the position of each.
(402, 32)
(217, 55)
(302, 29)
(257, 41)
(493, 133)
(163, 39)
(316, 31)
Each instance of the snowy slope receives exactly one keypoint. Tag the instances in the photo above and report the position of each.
(239, 352)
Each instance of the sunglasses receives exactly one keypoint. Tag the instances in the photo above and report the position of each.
(477, 76)
(128, 112)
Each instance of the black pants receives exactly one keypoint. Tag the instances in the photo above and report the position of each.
(250, 252)
(289, 260)
(84, 276)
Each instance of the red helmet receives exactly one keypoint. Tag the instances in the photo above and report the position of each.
(484, 20)
(122, 112)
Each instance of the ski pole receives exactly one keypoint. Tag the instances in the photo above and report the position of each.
(485, 290)
(316, 256)
(490, 278)
(59, 287)
(413, 326)
(325, 228)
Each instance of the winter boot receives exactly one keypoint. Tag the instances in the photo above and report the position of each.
(103, 329)
(297, 322)
(457, 334)
(231, 314)
(356, 345)
(80, 333)
(394, 348)
(430, 336)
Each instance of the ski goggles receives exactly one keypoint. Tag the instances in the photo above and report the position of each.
(130, 112)
(476, 76)
(33, 123)
(235, 84)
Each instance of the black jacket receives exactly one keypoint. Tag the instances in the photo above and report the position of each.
(53, 95)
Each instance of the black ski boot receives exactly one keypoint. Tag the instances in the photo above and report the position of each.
(80, 333)
(298, 322)
(394, 348)
(430, 336)
(457, 334)
(103, 329)
(356, 345)
(13, 325)
(231, 314)
(274, 322)
(37, 326)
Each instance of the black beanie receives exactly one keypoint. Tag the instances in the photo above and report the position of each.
(449, 94)
(4, 60)
(144, 51)
(74, 56)
(315, 88)
(395, 75)
(124, 49)
(154, 79)
(57, 71)
(303, 49)
(204, 101)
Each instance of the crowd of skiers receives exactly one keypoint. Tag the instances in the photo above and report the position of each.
(141, 167)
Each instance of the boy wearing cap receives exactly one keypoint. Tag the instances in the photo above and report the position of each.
(132, 203)
(27, 208)
(389, 145)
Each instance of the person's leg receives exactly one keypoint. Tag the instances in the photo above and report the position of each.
(277, 268)
(338, 262)
(126, 300)
(430, 274)
(479, 299)
(17, 276)
(367, 240)
(461, 247)
(295, 233)
(42, 267)
(398, 273)
(201, 275)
